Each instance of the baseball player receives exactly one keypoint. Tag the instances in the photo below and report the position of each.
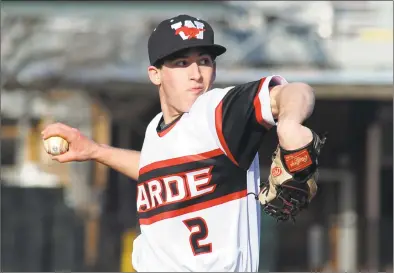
(199, 191)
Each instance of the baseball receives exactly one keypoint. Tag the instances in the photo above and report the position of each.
(55, 145)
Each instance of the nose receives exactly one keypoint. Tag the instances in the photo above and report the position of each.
(194, 72)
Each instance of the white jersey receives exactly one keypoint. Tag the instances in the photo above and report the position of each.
(192, 202)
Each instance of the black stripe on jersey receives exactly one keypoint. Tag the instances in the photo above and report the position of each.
(181, 164)
(225, 176)
(241, 131)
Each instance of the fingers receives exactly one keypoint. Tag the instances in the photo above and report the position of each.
(67, 157)
(267, 194)
(59, 129)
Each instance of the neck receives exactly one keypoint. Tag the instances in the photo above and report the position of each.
(170, 117)
(169, 113)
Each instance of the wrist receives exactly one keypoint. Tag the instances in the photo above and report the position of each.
(97, 151)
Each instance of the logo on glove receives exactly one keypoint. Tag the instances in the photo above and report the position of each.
(298, 160)
(276, 171)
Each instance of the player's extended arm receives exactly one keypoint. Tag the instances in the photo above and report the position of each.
(291, 105)
(122, 160)
(81, 148)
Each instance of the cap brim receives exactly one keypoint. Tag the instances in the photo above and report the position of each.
(215, 49)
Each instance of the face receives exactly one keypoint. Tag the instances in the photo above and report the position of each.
(182, 79)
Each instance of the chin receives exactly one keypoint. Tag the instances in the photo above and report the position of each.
(187, 102)
(186, 107)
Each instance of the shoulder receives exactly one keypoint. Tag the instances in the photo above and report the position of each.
(210, 98)
(215, 93)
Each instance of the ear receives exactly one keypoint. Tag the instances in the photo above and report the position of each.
(154, 75)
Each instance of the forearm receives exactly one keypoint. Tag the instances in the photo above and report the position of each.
(122, 160)
(295, 104)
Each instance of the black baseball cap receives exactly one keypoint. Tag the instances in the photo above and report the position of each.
(181, 32)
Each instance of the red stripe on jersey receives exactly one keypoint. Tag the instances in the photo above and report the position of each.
(180, 160)
(257, 106)
(193, 208)
(218, 125)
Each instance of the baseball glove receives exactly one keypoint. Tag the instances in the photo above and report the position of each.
(291, 184)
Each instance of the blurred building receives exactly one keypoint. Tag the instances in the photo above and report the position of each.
(84, 64)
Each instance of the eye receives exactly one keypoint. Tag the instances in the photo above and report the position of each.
(181, 63)
(205, 61)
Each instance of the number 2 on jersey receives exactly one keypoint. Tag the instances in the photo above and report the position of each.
(196, 236)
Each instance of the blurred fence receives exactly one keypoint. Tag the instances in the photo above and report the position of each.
(40, 233)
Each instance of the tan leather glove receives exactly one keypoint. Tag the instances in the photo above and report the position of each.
(292, 181)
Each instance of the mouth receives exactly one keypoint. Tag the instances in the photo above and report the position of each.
(197, 89)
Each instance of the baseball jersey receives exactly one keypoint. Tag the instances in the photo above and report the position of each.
(194, 176)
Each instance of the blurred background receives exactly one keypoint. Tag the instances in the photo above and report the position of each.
(85, 64)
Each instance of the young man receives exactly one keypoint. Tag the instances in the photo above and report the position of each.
(199, 160)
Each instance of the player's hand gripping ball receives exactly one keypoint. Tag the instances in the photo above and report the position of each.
(55, 145)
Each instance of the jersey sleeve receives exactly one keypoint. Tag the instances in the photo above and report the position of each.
(242, 118)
